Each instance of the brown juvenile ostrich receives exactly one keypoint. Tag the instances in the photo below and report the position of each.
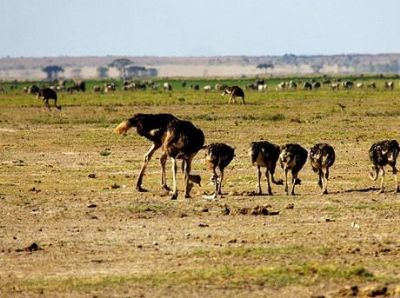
(46, 94)
(264, 154)
(322, 157)
(234, 91)
(153, 127)
(292, 157)
(182, 141)
(218, 156)
(381, 154)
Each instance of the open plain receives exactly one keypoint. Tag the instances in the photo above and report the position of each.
(72, 224)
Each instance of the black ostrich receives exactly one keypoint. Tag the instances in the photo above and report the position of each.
(265, 155)
(182, 141)
(381, 154)
(322, 157)
(218, 156)
(46, 94)
(153, 127)
(234, 91)
(292, 157)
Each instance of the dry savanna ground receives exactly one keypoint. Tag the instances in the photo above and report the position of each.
(72, 224)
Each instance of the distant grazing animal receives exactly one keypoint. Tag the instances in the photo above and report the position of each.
(234, 91)
(307, 86)
(153, 127)
(46, 94)
(260, 82)
(347, 85)
(96, 88)
(292, 158)
(335, 86)
(326, 81)
(389, 85)
(129, 86)
(381, 154)
(80, 86)
(195, 87)
(252, 86)
(207, 88)
(371, 85)
(60, 88)
(316, 85)
(33, 89)
(282, 86)
(182, 141)
(292, 85)
(167, 86)
(262, 88)
(109, 87)
(218, 156)
(265, 155)
(322, 157)
(360, 85)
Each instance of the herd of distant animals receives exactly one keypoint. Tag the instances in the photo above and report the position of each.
(181, 140)
(49, 93)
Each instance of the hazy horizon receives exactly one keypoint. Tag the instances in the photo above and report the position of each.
(193, 28)
(196, 56)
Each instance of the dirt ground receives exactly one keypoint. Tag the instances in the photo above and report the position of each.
(72, 224)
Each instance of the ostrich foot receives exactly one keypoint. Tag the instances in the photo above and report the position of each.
(139, 188)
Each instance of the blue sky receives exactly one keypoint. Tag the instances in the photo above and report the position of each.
(197, 27)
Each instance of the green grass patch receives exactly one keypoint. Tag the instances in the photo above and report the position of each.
(229, 277)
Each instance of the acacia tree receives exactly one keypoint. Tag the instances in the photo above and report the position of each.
(120, 64)
(265, 66)
(52, 71)
(102, 71)
(316, 67)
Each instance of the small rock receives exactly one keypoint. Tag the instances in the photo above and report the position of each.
(115, 186)
(93, 175)
(155, 243)
(374, 291)
(232, 241)
(33, 247)
(203, 225)
(97, 261)
(289, 206)
(329, 220)
(33, 189)
(226, 210)
(242, 211)
(260, 210)
(92, 205)
(346, 292)
(263, 210)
